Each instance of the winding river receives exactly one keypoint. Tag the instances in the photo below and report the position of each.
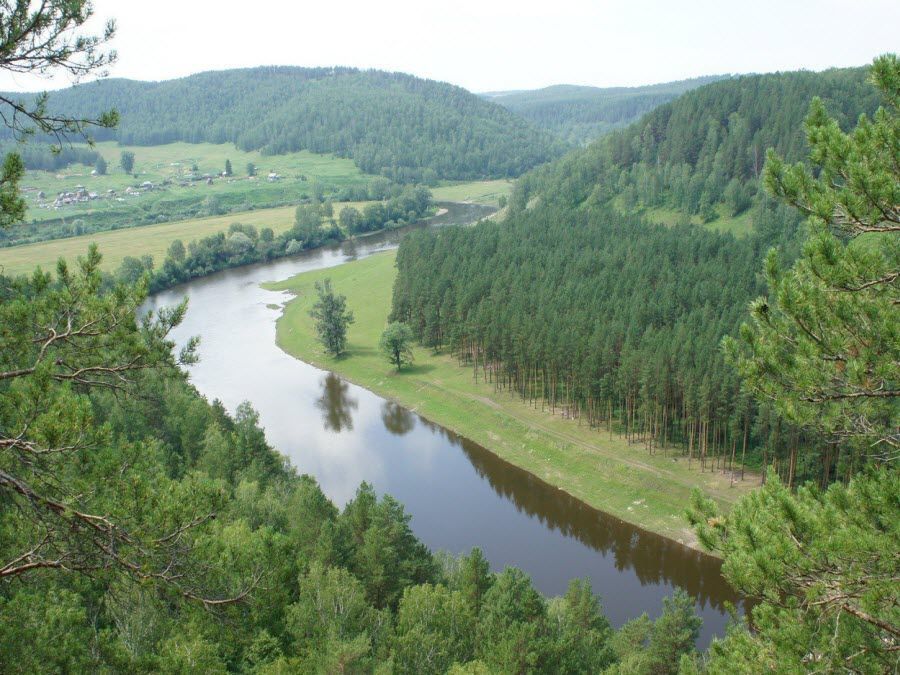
(458, 494)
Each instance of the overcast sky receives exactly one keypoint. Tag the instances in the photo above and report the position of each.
(488, 45)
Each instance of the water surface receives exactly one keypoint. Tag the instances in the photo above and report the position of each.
(459, 494)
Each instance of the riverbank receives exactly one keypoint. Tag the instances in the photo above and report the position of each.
(606, 473)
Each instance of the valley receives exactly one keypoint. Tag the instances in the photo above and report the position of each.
(331, 368)
(603, 470)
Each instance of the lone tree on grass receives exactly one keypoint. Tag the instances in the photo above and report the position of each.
(396, 341)
(228, 170)
(332, 318)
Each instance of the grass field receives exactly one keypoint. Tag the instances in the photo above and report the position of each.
(739, 226)
(479, 192)
(159, 163)
(146, 240)
(649, 491)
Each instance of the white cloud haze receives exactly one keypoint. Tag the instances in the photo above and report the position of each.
(497, 44)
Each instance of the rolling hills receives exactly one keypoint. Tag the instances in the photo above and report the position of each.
(579, 114)
(392, 124)
(698, 158)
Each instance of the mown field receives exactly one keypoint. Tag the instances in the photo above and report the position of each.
(601, 469)
(478, 192)
(151, 240)
(739, 226)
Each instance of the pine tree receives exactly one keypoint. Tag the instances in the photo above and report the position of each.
(825, 347)
(824, 351)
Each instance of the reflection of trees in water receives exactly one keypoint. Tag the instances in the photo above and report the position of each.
(397, 419)
(350, 249)
(654, 559)
(336, 405)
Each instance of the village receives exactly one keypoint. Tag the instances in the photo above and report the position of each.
(80, 194)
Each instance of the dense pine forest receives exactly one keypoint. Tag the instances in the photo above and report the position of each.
(619, 322)
(597, 316)
(579, 115)
(703, 153)
(632, 313)
(396, 125)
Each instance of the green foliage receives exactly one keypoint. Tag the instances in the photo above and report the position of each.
(332, 318)
(228, 170)
(594, 312)
(825, 347)
(396, 344)
(821, 566)
(703, 149)
(391, 124)
(582, 632)
(581, 114)
(513, 632)
(100, 166)
(435, 628)
(12, 205)
(126, 161)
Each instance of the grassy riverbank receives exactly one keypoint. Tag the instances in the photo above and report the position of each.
(607, 473)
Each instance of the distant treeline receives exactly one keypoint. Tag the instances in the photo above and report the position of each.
(582, 114)
(41, 157)
(181, 205)
(396, 125)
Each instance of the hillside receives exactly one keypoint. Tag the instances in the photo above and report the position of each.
(579, 114)
(392, 124)
(699, 157)
(578, 301)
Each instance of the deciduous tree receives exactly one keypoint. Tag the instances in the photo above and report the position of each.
(396, 344)
(332, 318)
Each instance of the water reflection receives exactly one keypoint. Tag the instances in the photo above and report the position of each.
(397, 419)
(336, 404)
(350, 249)
(653, 559)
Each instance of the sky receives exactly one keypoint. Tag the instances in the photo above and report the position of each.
(490, 45)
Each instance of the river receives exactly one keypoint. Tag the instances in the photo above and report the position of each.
(458, 494)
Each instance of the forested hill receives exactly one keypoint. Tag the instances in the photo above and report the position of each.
(390, 123)
(579, 114)
(700, 156)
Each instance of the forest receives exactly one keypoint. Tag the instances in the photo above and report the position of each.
(314, 226)
(186, 543)
(703, 153)
(632, 313)
(396, 125)
(146, 529)
(625, 324)
(579, 114)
